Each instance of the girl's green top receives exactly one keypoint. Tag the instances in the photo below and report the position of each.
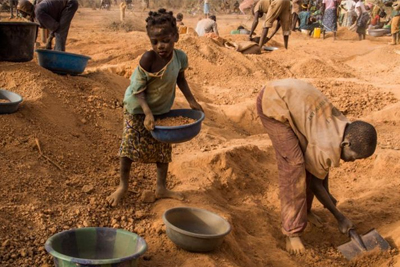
(159, 87)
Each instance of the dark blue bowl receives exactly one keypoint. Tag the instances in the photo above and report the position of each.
(12, 106)
(62, 62)
(178, 134)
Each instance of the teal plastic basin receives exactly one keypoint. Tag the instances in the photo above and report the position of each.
(96, 246)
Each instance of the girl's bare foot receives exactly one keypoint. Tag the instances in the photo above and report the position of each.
(116, 197)
(165, 193)
(294, 245)
(314, 219)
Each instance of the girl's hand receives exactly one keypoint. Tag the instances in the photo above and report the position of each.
(149, 122)
(196, 106)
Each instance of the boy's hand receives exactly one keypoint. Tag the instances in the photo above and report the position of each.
(149, 122)
(345, 225)
(196, 106)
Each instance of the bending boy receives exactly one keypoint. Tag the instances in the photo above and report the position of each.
(309, 136)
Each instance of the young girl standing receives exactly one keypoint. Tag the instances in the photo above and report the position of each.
(152, 92)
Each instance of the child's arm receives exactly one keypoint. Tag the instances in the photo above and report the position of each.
(146, 63)
(319, 190)
(149, 119)
(184, 87)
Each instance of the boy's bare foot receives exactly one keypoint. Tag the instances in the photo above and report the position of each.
(116, 197)
(165, 193)
(294, 245)
(314, 219)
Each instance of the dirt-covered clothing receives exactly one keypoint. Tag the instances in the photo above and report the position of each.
(279, 9)
(139, 145)
(262, 6)
(306, 132)
(159, 86)
(294, 192)
(318, 125)
(56, 16)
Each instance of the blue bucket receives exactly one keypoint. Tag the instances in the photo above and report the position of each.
(62, 62)
(182, 133)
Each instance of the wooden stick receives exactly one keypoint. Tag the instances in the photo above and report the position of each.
(44, 156)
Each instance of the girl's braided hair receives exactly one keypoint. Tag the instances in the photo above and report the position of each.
(161, 17)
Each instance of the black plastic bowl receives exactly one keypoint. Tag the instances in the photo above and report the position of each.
(12, 106)
(194, 229)
(182, 133)
(17, 41)
(62, 62)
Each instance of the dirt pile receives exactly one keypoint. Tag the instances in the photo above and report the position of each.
(229, 168)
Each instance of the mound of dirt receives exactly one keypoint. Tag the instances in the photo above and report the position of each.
(354, 99)
(317, 68)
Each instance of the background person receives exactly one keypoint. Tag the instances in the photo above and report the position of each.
(329, 17)
(350, 16)
(362, 19)
(278, 10)
(296, 8)
(53, 15)
(208, 25)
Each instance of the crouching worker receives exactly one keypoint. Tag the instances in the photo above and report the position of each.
(54, 15)
(152, 92)
(278, 10)
(309, 136)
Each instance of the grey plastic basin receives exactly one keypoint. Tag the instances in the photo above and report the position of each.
(12, 106)
(194, 229)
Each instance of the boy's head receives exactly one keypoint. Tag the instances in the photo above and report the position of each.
(162, 31)
(213, 17)
(179, 17)
(359, 141)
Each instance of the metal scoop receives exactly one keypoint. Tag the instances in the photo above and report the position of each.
(360, 244)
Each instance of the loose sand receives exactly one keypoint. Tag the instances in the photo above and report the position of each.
(228, 169)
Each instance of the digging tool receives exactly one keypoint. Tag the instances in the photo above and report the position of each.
(360, 244)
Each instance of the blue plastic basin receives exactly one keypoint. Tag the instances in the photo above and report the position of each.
(178, 134)
(62, 62)
(12, 106)
(97, 247)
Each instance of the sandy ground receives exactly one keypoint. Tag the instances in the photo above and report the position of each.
(228, 169)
